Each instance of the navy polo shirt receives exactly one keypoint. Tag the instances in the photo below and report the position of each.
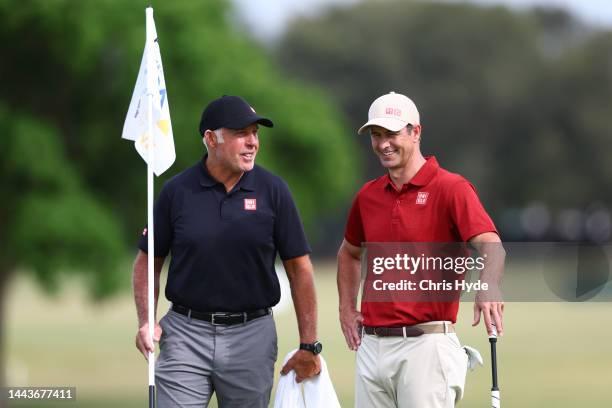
(223, 245)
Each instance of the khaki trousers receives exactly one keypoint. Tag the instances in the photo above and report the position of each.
(427, 371)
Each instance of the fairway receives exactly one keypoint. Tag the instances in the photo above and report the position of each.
(553, 354)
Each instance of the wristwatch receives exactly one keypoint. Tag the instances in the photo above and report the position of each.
(315, 348)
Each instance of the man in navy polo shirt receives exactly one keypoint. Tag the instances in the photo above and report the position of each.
(223, 221)
(409, 355)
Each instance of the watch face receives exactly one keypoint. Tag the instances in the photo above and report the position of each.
(318, 347)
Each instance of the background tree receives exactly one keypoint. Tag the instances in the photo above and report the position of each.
(73, 193)
(513, 100)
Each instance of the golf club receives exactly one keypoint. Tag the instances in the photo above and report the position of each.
(495, 398)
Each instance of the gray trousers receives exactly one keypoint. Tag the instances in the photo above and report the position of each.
(197, 358)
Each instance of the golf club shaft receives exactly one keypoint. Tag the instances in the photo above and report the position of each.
(151, 396)
(494, 363)
(495, 397)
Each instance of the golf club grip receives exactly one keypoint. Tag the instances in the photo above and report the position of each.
(494, 363)
(151, 396)
(495, 400)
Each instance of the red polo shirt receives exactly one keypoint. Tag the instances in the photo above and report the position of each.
(435, 206)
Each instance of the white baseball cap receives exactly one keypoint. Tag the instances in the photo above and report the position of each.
(392, 111)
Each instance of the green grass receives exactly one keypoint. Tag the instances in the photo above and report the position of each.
(553, 354)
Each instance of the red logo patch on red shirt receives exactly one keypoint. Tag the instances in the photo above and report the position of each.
(422, 198)
(250, 204)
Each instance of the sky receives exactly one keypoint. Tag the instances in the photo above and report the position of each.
(267, 19)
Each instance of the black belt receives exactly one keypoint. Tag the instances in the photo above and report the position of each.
(221, 318)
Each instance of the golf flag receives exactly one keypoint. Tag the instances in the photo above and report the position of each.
(151, 81)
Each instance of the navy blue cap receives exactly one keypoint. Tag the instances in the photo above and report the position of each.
(230, 112)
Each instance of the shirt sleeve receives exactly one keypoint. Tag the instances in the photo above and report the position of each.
(353, 232)
(162, 226)
(289, 237)
(469, 216)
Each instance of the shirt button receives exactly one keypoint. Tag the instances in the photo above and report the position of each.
(399, 201)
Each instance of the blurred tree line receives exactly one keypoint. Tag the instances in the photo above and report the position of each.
(74, 193)
(518, 102)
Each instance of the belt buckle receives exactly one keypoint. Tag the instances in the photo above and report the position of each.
(212, 319)
(376, 332)
(244, 317)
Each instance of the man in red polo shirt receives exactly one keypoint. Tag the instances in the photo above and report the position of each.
(408, 354)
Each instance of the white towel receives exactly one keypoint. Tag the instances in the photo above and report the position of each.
(474, 357)
(318, 391)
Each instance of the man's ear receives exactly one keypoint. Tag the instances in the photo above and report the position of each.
(416, 133)
(210, 138)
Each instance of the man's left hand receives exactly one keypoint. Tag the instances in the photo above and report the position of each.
(304, 363)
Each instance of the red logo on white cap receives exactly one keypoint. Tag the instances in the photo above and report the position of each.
(250, 204)
(393, 111)
(422, 198)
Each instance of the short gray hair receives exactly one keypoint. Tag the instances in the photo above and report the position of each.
(218, 135)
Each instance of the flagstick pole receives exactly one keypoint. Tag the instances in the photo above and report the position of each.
(150, 234)
(140, 127)
(151, 247)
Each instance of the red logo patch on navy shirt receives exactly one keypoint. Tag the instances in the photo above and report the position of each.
(421, 198)
(250, 204)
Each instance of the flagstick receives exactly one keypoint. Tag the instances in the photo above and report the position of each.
(140, 125)
(150, 234)
(151, 247)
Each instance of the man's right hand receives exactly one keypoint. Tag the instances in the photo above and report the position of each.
(143, 340)
(351, 321)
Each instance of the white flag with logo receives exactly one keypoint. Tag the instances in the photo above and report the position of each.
(151, 81)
